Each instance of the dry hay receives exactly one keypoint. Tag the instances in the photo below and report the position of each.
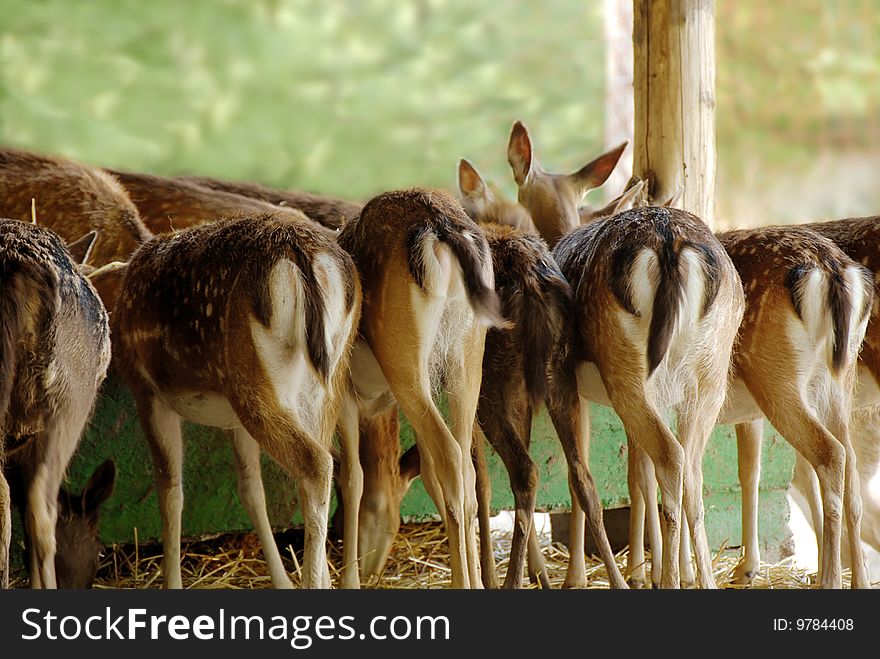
(419, 559)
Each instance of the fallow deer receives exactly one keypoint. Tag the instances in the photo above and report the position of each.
(428, 297)
(794, 362)
(54, 353)
(172, 203)
(658, 307)
(332, 212)
(71, 199)
(859, 238)
(537, 299)
(244, 324)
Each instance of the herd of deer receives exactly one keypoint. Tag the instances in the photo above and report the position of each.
(287, 317)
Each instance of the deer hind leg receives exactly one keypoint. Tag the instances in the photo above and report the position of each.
(576, 571)
(161, 425)
(463, 377)
(642, 484)
(306, 459)
(807, 482)
(246, 453)
(647, 428)
(484, 511)
(827, 456)
(537, 568)
(523, 474)
(837, 422)
(748, 446)
(445, 463)
(351, 478)
(5, 530)
(570, 418)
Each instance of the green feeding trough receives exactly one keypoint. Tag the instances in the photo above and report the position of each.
(212, 507)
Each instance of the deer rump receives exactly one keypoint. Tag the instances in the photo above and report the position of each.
(262, 279)
(664, 281)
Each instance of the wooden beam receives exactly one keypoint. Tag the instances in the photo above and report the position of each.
(674, 97)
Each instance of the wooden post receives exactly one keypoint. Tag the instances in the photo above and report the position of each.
(674, 89)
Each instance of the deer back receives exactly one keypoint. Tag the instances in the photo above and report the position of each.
(55, 336)
(193, 304)
(331, 212)
(71, 199)
(168, 204)
(797, 278)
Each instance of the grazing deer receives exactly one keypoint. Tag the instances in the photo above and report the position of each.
(859, 239)
(374, 488)
(78, 550)
(537, 299)
(428, 297)
(658, 306)
(168, 204)
(71, 199)
(332, 212)
(54, 353)
(243, 324)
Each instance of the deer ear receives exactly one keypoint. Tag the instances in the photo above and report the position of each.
(99, 487)
(410, 464)
(595, 173)
(81, 248)
(470, 183)
(519, 152)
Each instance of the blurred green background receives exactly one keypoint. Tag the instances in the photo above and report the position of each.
(355, 96)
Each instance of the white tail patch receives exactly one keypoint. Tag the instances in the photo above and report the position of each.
(643, 280)
(282, 350)
(337, 323)
(690, 332)
(816, 326)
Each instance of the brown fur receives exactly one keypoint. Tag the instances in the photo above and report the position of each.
(537, 299)
(187, 323)
(552, 199)
(56, 348)
(774, 263)
(332, 212)
(169, 204)
(71, 199)
(428, 285)
(599, 262)
(777, 266)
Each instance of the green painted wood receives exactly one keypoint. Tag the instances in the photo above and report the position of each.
(211, 504)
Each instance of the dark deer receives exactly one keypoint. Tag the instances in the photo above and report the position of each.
(658, 306)
(71, 199)
(536, 298)
(243, 324)
(428, 297)
(54, 353)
